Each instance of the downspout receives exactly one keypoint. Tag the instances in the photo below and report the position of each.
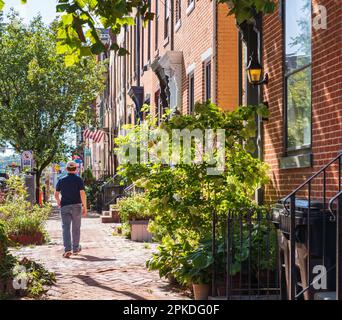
(240, 74)
(137, 51)
(214, 46)
(172, 43)
(124, 87)
(260, 139)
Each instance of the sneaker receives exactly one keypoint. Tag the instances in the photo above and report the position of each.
(67, 254)
(78, 251)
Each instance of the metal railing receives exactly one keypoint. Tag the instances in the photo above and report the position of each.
(319, 223)
(110, 192)
(245, 255)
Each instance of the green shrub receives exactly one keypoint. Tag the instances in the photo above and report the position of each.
(18, 215)
(136, 207)
(93, 192)
(183, 197)
(88, 177)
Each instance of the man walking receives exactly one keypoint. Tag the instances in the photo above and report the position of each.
(71, 188)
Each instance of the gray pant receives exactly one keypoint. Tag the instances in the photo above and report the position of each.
(71, 219)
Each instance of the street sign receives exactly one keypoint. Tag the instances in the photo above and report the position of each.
(27, 160)
(56, 168)
(87, 152)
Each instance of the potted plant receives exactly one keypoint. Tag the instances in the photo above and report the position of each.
(135, 211)
(27, 227)
(197, 270)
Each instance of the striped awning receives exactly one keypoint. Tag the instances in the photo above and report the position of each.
(95, 135)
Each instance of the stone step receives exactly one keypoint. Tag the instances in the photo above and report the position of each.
(106, 214)
(107, 219)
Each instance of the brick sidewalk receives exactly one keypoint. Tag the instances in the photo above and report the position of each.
(109, 267)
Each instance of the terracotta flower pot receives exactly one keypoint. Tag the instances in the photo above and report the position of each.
(201, 291)
(23, 239)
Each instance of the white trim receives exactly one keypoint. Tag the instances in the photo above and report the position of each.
(190, 8)
(190, 68)
(206, 55)
(178, 25)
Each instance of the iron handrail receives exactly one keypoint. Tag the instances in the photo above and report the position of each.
(289, 204)
(111, 180)
(331, 202)
(129, 188)
(294, 192)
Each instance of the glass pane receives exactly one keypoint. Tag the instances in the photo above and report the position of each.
(298, 34)
(299, 109)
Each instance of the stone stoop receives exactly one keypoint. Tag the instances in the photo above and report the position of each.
(106, 217)
(115, 215)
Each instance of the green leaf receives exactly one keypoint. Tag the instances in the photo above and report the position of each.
(97, 48)
(122, 52)
(67, 19)
(2, 4)
(62, 7)
(62, 48)
(80, 3)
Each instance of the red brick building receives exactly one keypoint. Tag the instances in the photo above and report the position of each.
(303, 58)
(174, 60)
(193, 51)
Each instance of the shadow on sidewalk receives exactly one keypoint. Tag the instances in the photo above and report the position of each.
(85, 257)
(93, 283)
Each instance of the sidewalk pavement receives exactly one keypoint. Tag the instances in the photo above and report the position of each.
(108, 268)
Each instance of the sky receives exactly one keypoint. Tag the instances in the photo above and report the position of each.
(47, 8)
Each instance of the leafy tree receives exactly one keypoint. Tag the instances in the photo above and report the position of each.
(183, 194)
(41, 98)
(81, 15)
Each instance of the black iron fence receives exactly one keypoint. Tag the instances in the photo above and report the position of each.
(311, 235)
(246, 256)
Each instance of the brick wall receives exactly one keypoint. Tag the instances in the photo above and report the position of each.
(326, 102)
(227, 60)
(195, 38)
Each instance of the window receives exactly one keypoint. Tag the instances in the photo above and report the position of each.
(207, 75)
(142, 45)
(178, 10)
(156, 29)
(191, 6)
(135, 48)
(166, 19)
(158, 106)
(149, 35)
(131, 53)
(191, 92)
(297, 74)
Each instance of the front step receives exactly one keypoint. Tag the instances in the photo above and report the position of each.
(107, 217)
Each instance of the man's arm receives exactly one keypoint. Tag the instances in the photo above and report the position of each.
(84, 202)
(58, 198)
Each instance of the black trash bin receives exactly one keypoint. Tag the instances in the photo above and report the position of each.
(315, 237)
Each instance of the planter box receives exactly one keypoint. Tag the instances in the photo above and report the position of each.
(36, 239)
(139, 231)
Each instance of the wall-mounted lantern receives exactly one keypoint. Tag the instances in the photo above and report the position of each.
(255, 72)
